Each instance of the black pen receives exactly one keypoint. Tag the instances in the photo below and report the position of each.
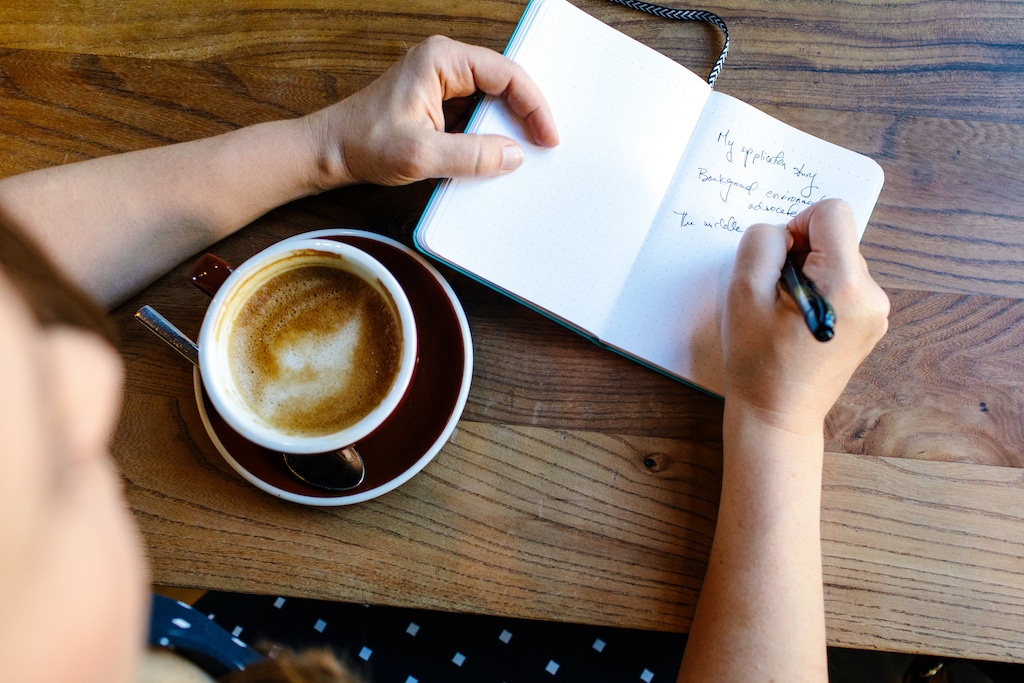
(818, 313)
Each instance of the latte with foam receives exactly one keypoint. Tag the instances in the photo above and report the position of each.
(315, 349)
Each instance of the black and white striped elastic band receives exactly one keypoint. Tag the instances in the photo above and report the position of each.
(687, 15)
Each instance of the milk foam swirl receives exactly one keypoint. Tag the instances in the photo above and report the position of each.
(314, 349)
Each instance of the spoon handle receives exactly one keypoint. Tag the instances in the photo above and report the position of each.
(175, 338)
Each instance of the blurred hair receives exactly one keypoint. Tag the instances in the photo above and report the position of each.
(52, 297)
(286, 666)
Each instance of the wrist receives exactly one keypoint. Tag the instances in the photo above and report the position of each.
(780, 410)
(759, 430)
(325, 139)
(770, 473)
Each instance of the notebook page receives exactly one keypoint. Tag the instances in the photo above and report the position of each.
(742, 167)
(562, 231)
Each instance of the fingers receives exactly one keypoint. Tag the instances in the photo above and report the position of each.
(497, 75)
(759, 258)
(464, 69)
(827, 219)
(525, 99)
(443, 70)
(393, 131)
(760, 255)
(828, 234)
(828, 231)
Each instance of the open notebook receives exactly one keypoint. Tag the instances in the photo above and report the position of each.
(626, 232)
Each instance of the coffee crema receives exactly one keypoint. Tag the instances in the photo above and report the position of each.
(315, 349)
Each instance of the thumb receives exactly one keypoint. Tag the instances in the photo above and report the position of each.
(465, 155)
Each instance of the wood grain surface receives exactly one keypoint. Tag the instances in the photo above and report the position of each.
(580, 486)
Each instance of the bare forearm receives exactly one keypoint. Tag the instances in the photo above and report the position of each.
(116, 223)
(760, 613)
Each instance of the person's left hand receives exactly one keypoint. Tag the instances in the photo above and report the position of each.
(393, 131)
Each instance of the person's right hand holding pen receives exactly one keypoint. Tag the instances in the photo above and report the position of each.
(772, 362)
(760, 615)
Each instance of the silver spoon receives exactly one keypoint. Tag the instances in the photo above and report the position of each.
(338, 471)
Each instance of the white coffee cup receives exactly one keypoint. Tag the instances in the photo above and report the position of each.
(308, 346)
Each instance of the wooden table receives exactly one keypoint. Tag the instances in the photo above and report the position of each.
(580, 486)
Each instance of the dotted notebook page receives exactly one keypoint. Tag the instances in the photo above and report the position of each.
(561, 232)
(742, 167)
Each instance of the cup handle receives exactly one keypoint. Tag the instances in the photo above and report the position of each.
(209, 273)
